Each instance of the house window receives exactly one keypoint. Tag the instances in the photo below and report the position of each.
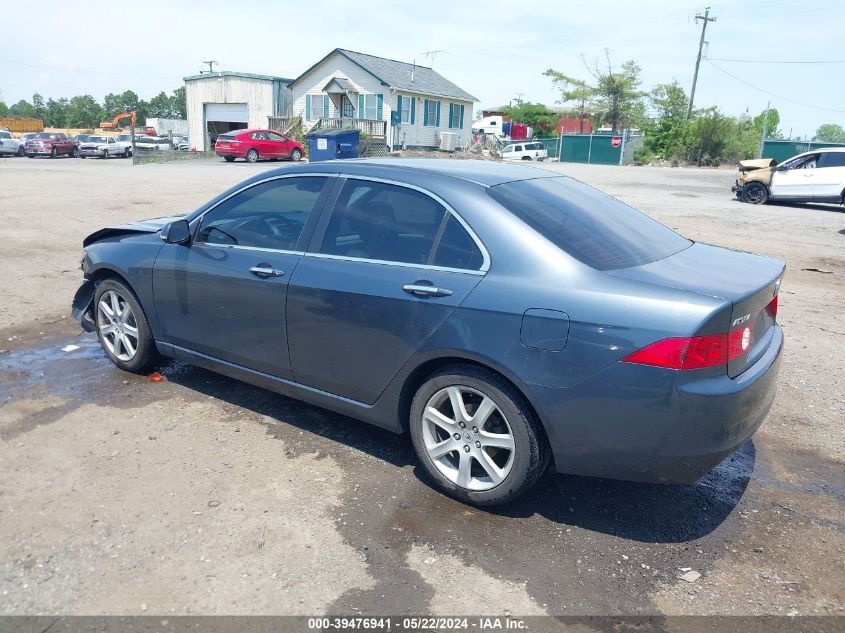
(405, 108)
(346, 110)
(369, 108)
(316, 107)
(430, 113)
(456, 116)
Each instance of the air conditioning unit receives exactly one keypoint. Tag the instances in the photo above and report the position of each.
(448, 141)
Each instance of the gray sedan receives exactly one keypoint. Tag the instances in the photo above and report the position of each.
(507, 317)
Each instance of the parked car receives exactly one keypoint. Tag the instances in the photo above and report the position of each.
(81, 138)
(530, 318)
(815, 176)
(50, 144)
(154, 143)
(525, 151)
(184, 145)
(103, 147)
(253, 145)
(9, 145)
(26, 136)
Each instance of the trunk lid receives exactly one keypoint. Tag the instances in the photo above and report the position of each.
(749, 282)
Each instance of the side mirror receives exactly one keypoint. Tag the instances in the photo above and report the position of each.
(177, 232)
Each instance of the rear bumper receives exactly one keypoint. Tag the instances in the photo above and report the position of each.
(649, 424)
(224, 151)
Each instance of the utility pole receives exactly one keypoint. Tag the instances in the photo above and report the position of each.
(705, 19)
(210, 63)
(765, 127)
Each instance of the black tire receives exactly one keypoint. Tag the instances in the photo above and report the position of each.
(146, 354)
(53, 153)
(229, 159)
(72, 153)
(526, 158)
(126, 153)
(252, 155)
(531, 450)
(755, 193)
(104, 155)
(296, 155)
(20, 151)
(82, 157)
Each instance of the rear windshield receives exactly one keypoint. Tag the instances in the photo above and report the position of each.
(592, 227)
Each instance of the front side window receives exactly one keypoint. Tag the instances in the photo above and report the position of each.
(275, 137)
(374, 220)
(5, 135)
(269, 215)
(594, 228)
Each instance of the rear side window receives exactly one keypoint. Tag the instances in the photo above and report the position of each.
(589, 225)
(269, 215)
(832, 159)
(457, 249)
(375, 220)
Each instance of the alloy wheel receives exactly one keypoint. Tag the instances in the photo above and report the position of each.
(468, 438)
(118, 326)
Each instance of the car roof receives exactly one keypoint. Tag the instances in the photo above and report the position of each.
(483, 172)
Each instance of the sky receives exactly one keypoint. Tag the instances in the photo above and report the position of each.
(495, 50)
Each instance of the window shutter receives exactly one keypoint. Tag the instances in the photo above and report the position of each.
(462, 118)
(451, 112)
(399, 107)
(379, 108)
(437, 115)
(413, 109)
(307, 108)
(361, 113)
(425, 111)
(325, 106)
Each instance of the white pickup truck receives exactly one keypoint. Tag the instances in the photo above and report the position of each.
(103, 147)
(9, 144)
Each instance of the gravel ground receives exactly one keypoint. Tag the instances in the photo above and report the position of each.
(204, 495)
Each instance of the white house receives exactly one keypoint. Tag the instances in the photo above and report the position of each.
(348, 88)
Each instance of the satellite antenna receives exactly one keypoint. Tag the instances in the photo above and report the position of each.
(430, 55)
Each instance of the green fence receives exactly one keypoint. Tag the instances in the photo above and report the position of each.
(589, 148)
(781, 150)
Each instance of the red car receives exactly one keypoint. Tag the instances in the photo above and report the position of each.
(252, 145)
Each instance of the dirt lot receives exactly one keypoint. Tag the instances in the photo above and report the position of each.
(204, 495)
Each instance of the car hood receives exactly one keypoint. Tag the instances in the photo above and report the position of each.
(757, 163)
(142, 226)
(709, 270)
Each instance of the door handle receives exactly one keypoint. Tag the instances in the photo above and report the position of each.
(426, 291)
(266, 271)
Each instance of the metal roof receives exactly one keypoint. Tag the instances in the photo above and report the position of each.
(232, 73)
(396, 74)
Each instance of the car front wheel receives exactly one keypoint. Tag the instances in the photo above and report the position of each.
(122, 328)
(476, 436)
(296, 155)
(756, 193)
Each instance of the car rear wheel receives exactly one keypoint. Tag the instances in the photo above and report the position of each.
(252, 156)
(20, 151)
(126, 153)
(476, 436)
(756, 193)
(72, 153)
(296, 155)
(122, 328)
(229, 159)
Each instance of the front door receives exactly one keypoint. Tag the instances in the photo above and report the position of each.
(223, 295)
(392, 266)
(795, 179)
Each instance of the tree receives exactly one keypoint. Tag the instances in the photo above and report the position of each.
(665, 136)
(84, 112)
(616, 90)
(536, 115)
(772, 130)
(39, 107)
(707, 140)
(575, 91)
(57, 113)
(180, 104)
(22, 108)
(830, 133)
(4, 109)
(161, 106)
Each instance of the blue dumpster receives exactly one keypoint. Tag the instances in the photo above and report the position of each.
(330, 144)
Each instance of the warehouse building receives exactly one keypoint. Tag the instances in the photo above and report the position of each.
(219, 102)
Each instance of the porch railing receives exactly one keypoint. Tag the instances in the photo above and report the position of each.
(375, 128)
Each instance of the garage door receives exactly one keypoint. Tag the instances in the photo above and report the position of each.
(230, 112)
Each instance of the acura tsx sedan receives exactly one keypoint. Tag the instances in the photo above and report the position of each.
(507, 317)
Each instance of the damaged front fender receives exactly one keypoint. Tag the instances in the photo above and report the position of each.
(83, 305)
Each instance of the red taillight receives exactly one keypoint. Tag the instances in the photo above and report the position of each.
(772, 308)
(695, 352)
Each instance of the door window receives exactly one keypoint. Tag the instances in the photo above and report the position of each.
(374, 220)
(276, 137)
(457, 249)
(269, 215)
(832, 159)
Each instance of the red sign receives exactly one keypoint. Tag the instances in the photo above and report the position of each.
(616, 141)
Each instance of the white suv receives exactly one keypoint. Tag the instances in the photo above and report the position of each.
(525, 151)
(816, 176)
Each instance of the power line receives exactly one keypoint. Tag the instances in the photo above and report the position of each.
(772, 94)
(775, 61)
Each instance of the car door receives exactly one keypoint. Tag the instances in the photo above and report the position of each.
(829, 177)
(223, 295)
(794, 180)
(280, 145)
(375, 286)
